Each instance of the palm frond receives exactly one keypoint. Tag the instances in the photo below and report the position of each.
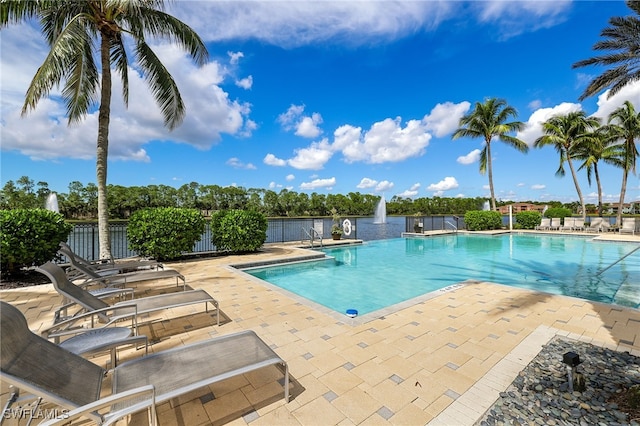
(82, 83)
(162, 85)
(121, 63)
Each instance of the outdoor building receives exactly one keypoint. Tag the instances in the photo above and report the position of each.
(521, 207)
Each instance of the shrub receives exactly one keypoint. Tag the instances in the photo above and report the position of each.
(557, 212)
(238, 231)
(164, 233)
(528, 220)
(30, 237)
(480, 220)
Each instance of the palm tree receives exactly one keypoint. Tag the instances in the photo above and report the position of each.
(567, 133)
(595, 148)
(489, 120)
(622, 40)
(624, 125)
(74, 29)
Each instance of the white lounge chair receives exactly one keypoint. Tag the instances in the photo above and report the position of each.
(545, 223)
(629, 226)
(596, 225)
(34, 365)
(568, 224)
(555, 223)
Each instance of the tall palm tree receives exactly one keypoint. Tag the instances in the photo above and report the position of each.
(567, 133)
(622, 40)
(624, 125)
(488, 120)
(595, 148)
(81, 31)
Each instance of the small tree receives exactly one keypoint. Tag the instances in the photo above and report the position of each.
(164, 233)
(30, 237)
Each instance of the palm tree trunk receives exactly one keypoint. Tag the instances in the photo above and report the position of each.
(102, 151)
(575, 181)
(599, 184)
(490, 173)
(623, 190)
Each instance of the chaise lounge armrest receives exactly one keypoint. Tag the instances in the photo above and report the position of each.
(143, 397)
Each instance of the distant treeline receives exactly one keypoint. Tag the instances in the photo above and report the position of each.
(81, 202)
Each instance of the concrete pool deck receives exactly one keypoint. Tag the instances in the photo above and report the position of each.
(441, 361)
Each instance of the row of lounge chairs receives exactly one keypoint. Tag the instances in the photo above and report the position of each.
(51, 366)
(597, 224)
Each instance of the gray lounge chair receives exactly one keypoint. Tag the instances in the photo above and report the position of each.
(88, 302)
(32, 364)
(111, 265)
(555, 223)
(111, 278)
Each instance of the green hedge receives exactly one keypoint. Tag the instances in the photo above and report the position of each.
(30, 237)
(557, 212)
(481, 220)
(164, 233)
(238, 231)
(528, 220)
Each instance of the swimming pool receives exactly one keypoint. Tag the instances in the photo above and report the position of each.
(381, 273)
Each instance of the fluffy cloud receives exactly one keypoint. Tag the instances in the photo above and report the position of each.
(630, 92)
(445, 184)
(366, 183)
(290, 177)
(538, 186)
(318, 183)
(44, 134)
(272, 160)
(533, 126)
(470, 158)
(234, 57)
(305, 126)
(383, 186)
(245, 83)
(445, 118)
(411, 192)
(313, 157)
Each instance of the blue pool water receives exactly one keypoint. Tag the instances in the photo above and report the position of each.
(381, 273)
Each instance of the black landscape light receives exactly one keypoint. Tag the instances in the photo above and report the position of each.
(572, 360)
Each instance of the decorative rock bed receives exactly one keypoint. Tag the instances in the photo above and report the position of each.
(540, 394)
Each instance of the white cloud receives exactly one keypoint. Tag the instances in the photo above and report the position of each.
(366, 183)
(305, 126)
(470, 158)
(234, 57)
(245, 83)
(485, 187)
(308, 126)
(445, 184)
(631, 92)
(237, 164)
(533, 127)
(299, 23)
(383, 186)
(445, 118)
(44, 134)
(386, 141)
(313, 157)
(319, 183)
(517, 17)
(272, 160)
(538, 186)
(407, 194)
(290, 177)
(521, 184)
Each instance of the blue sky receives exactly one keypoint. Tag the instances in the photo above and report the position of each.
(332, 97)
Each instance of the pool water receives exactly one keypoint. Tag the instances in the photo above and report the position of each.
(381, 273)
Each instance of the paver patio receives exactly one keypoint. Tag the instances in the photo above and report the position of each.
(440, 361)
